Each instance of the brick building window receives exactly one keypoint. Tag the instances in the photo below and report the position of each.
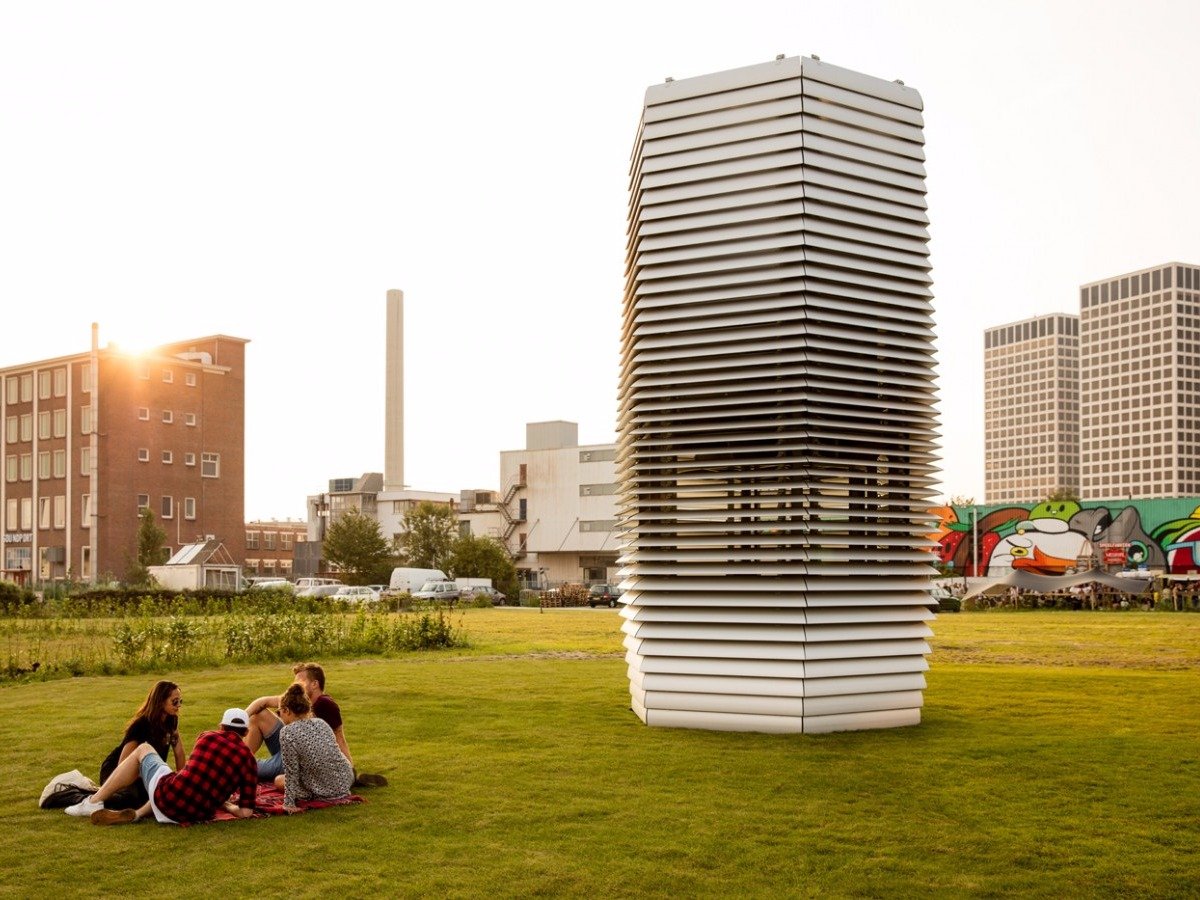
(189, 419)
(189, 459)
(168, 376)
(143, 502)
(143, 454)
(251, 540)
(210, 465)
(167, 457)
(168, 417)
(189, 507)
(144, 413)
(190, 379)
(168, 508)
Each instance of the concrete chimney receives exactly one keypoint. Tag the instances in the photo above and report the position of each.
(393, 452)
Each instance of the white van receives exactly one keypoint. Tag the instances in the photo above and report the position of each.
(405, 581)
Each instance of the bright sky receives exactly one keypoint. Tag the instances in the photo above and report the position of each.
(268, 170)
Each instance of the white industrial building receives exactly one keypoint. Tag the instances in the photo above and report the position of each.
(556, 511)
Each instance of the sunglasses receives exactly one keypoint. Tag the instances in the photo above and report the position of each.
(178, 701)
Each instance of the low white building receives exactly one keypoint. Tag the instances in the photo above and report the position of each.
(556, 510)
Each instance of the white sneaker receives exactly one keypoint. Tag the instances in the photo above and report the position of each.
(84, 808)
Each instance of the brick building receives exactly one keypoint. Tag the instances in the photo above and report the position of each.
(90, 439)
(271, 546)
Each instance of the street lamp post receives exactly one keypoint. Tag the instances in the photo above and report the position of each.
(975, 539)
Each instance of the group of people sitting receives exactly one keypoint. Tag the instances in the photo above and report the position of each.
(301, 729)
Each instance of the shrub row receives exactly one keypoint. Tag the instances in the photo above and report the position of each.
(156, 644)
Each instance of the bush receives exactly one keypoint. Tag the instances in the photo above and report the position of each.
(16, 600)
(949, 604)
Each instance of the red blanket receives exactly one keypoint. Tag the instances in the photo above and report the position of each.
(269, 802)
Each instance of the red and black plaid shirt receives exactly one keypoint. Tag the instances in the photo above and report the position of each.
(220, 764)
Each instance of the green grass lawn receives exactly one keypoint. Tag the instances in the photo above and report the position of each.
(1057, 756)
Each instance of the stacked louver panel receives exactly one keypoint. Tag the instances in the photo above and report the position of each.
(776, 403)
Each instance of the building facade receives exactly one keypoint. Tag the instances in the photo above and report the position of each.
(557, 511)
(91, 439)
(1104, 405)
(1031, 409)
(776, 402)
(271, 547)
(1140, 383)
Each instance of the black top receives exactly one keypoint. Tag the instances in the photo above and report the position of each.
(141, 731)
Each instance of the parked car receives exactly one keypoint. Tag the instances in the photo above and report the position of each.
(470, 592)
(320, 590)
(270, 584)
(603, 595)
(305, 583)
(438, 590)
(361, 593)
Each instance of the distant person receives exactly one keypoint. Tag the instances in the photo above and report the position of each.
(220, 765)
(265, 725)
(156, 723)
(314, 767)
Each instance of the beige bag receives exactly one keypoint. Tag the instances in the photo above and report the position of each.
(73, 783)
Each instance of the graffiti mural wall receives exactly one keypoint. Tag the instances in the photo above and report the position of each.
(1054, 537)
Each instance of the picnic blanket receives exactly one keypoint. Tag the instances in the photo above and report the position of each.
(269, 802)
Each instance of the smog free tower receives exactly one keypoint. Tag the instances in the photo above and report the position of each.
(776, 423)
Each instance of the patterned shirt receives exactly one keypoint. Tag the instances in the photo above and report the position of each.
(220, 764)
(314, 766)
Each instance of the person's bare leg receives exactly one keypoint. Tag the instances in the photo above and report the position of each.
(125, 774)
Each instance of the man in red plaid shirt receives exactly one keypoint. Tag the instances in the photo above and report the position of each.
(219, 765)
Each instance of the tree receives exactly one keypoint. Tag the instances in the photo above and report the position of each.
(150, 541)
(358, 548)
(483, 557)
(1061, 494)
(960, 500)
(429, 533)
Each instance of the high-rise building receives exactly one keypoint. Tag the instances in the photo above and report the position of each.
(776, 403)
(1109, 405)
(1031, 409)
(1140, 377)
(92, 439)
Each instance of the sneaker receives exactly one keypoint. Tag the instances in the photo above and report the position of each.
(114, 816)
(84, 808)
(366, 779)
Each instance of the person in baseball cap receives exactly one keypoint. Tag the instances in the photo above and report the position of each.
(220, 765)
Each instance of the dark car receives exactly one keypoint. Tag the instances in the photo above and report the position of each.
(603, 595)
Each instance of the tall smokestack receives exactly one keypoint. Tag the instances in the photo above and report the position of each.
(393, 458)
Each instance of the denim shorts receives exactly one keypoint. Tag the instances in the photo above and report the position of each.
(152, 770)
(269, 768)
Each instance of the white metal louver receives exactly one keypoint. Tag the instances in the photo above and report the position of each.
(776, 403)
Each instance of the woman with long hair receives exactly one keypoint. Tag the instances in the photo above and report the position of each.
(156, 722)
(314, 767)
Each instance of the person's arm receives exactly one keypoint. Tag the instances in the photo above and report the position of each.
(240, 812)
(177, 749)
(291, 771)
(339, 735)
(258, 705)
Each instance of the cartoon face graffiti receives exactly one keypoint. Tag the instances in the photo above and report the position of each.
(1044, 546)
(1099, 527)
